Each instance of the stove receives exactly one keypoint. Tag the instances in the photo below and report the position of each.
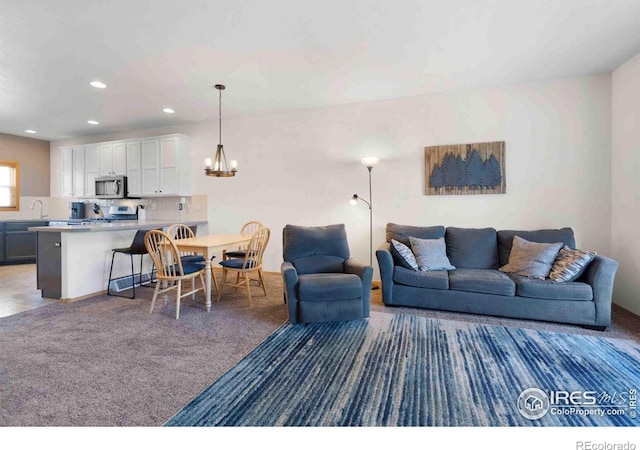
(120, 212)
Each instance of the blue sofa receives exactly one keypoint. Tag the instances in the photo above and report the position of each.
(476, 286)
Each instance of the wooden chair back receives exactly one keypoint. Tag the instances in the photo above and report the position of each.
(164, 254)
(250, 228)
(255, 249)
(181, 231)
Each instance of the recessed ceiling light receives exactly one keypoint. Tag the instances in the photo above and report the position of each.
(98, 84)
(30, 131)
(93, 122)
(168, 110)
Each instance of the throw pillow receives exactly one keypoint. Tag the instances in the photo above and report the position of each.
(531, 259)
(406, 255)
(570, 264)
(431, 254)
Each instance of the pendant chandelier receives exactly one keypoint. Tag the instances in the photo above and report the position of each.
(218, 167)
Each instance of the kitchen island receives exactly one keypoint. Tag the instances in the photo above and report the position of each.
(73, 261)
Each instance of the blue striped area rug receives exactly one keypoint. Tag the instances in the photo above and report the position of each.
(404, 370)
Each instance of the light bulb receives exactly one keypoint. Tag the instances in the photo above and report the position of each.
(234, 164)
(369, 161)
(354, 200)
(207, 163)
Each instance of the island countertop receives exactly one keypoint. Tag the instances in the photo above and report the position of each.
(118, 225)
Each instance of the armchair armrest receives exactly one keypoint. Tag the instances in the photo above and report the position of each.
(365, 272)
(600, 274)
(290, 285)
(362, 270)
(385, 261)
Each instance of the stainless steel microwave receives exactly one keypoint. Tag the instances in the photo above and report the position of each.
(111, 187)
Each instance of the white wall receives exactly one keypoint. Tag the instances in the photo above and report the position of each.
(302, 167)
(626, 183)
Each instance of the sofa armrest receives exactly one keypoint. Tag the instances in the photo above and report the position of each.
(385, 261)
(290, 286)
(600, 274)
(365, 273)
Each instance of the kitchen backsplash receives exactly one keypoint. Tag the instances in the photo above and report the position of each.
(157, 208)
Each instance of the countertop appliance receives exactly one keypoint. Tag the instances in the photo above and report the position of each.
(78, 210)
(111, 187)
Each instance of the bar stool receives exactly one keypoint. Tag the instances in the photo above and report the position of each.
(137, 247)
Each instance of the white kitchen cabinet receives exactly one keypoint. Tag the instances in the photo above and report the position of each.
(73, 172)
(113, 159)
(165, 166)
(91, 168)
(134, 171)
(155, 166)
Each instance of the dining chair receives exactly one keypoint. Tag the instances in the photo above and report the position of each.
(170, 268)
(182, 231)
(250, 263)
(248, 229)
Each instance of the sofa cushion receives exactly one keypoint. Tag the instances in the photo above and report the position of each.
(531, 259)
(403, 255)
(329, 286)
(402, 232)
(484, 281)
(431, 254)
(505, 239)
(570, 264)
(433, 279)
(472, 248)
(547, 289)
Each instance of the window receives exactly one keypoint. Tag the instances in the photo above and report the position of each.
(9, 186)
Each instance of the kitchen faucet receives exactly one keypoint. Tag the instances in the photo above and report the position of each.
(42, 216)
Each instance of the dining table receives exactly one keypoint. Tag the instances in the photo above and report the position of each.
(207, 246)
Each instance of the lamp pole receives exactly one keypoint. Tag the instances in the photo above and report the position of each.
(368, 162)
(370, 219)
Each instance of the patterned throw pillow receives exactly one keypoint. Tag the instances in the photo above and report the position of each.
(431, 254)
(406, 254)
(531, 259)
(570, 264)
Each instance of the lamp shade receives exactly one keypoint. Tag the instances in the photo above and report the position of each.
(369, 161)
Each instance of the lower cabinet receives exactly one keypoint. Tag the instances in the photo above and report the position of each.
(18, 244)
(1, 241)
(49, 266)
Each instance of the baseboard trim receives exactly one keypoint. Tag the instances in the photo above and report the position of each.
(83, 297)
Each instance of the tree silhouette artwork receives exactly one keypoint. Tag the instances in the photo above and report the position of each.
(466, 169)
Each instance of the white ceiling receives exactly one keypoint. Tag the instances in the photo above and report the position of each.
(282, 55)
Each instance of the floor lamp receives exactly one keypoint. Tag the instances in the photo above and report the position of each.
(368, 162)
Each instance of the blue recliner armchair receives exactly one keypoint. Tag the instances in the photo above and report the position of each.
(321, 282)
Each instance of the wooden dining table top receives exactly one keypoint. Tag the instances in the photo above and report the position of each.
(212, 241)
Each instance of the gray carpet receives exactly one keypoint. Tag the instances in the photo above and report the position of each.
(106, 362)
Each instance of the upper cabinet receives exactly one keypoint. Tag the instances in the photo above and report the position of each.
(73, 172)
(164, 164)
(134, 172)
(113, 159)
(154, 166)
(91, 168)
